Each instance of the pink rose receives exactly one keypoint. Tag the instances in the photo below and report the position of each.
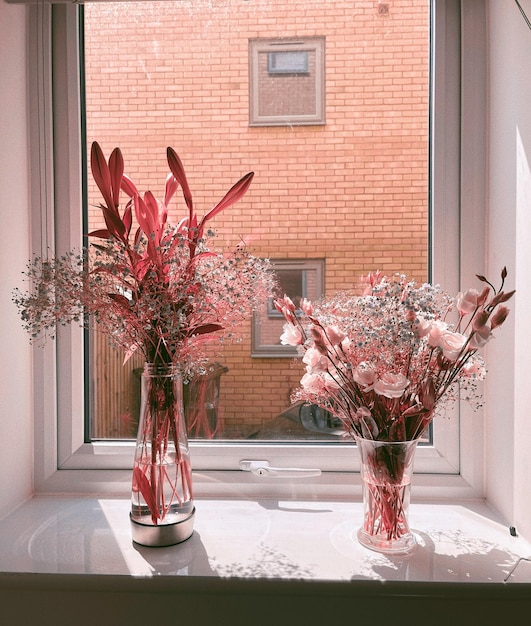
(314, 360)
(467, 302)
(391, 385)
(364, 375)
(291, 336)
(436, 329)
(451, 344)
(313, 383)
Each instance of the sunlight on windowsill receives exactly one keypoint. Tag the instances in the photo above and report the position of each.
(263, 539)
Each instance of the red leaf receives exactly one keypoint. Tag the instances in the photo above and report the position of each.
(128, 186)
(206, 328)
(147, 493)
(234, 194)
(121, 300)
(143, 216)
(171, 187)
(128, 218)
(102, 233)
(101, 174)
(397, 432)
(177, 169)
(116, 171)
(113, 222)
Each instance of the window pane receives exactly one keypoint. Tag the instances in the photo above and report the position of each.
(352, 191)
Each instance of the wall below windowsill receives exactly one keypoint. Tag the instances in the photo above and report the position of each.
(61, 549)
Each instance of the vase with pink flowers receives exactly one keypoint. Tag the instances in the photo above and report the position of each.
(385, 360)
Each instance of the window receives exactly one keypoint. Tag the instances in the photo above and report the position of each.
(287, 81)
(297, 278)
(358, 248)
(308, 200)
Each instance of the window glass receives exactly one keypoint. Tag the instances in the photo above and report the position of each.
(350, 190)
(296, 278)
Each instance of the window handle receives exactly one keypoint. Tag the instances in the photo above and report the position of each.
(262, 468)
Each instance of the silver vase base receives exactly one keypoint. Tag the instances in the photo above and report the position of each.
(405, 545)
(163, 534)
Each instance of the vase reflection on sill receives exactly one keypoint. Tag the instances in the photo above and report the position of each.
(386, 470)
(162, 509)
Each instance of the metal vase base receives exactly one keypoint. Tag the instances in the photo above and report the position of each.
(164, 534)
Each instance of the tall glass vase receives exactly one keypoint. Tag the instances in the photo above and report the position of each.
(162, 508)
(386, 469)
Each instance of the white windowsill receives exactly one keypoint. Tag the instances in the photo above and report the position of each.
(261, 539)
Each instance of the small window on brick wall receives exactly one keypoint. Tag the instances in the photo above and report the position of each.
(287, 81)
(297, 278)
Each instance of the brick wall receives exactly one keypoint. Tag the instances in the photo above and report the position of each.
(353, 191)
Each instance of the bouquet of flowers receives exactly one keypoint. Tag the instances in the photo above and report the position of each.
(158, 288)
(384, 362)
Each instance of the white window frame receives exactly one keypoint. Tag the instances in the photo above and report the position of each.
(63, 462)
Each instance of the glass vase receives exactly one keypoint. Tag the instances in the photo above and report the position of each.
(162, 508)
(386, 469)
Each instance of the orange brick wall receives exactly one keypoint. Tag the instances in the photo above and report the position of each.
(353, 191)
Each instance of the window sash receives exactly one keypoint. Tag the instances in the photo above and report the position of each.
(59, 368)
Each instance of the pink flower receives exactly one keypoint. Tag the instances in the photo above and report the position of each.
(318, 339)
(480, 337)
(312, 383)
(335, 335)
(306, 306)
(364, 375)
(480, 319)
(467, 302)
(451, 344)
(291, 336)
(391, 385)
(288, 304)
(499, 317)
(330, 383)
(474, 369)
(314, 360)
(421, 326)
(437, 328)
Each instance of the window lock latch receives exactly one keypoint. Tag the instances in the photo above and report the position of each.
(262, 468)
